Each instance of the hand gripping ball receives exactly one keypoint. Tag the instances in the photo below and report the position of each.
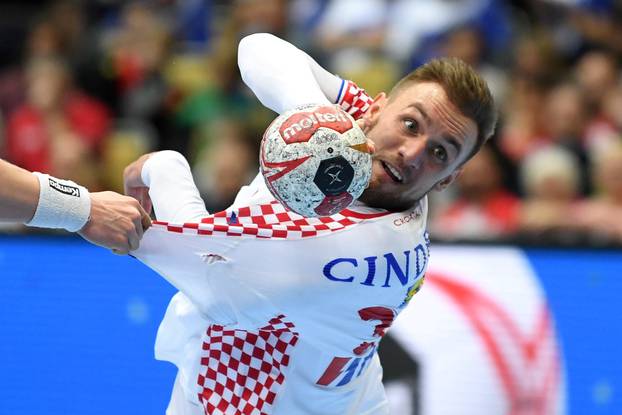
(315, 160)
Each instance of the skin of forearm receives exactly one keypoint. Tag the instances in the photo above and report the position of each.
(19, 193)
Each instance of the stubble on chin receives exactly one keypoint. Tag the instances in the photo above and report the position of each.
(381, 200)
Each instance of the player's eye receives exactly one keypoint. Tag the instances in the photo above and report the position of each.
(412, 126)
(440, 153)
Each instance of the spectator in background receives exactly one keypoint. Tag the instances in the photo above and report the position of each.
(69, 22)
(220, 93)
(411, 23)
(599, 25)
(349, 37)
(596, 72)
(179, 100)
(535, 58)
(58, 130)
(558, 117)
(600, 215)
(225, 160)
(468, 43)
(565, 121)
(209, 99)
(522, 121)
(252, 16)
(598, 75)
(551, 183)
(138, 50)
(612, 118)
(534, 68)
(483, 209)
(43, 41)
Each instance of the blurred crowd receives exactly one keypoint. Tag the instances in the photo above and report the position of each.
(88, 86)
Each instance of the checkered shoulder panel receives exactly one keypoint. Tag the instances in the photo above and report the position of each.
(242, 371)
(270, 220)
(354, 100)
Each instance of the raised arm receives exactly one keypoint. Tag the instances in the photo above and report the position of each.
(283, 76)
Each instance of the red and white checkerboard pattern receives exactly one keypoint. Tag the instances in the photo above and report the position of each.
(354, 100)
(270, 220)
(243, 370)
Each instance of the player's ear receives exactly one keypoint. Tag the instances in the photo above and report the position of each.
(371, 115)
(380, 97)
(443, 184)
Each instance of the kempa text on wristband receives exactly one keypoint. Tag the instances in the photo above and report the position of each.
(63, 204)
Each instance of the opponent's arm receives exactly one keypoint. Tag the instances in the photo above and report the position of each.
(164, 180)
(107, 219)
(283, 77)
(19, 193)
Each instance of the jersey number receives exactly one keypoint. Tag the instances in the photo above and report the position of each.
(345, 368)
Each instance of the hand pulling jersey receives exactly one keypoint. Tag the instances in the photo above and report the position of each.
(277, 313)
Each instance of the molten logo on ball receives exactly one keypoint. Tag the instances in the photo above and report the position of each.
(315, 160)
(301, 126)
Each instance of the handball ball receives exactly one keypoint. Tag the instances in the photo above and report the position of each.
(315, 160)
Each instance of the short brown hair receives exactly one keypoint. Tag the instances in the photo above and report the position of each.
(465, 89)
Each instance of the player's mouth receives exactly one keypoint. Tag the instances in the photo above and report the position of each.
(392, 172)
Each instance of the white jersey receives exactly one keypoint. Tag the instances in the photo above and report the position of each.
(277, 313)
(282, 312)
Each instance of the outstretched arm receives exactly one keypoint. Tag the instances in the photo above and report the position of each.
(106, 218)
(284, 77)
(19, 193)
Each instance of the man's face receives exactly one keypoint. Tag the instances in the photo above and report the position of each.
(421, 139)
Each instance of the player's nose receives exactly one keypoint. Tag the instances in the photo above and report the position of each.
(412, 151)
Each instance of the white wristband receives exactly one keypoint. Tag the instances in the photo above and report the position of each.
(62, 204)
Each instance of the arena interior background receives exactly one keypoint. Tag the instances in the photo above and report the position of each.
(116, 79)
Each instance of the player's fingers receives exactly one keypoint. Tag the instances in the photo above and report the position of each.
(138, 223)
(371, 146)
(118, 251)
(145, 220)
(147, 204)
(142, 195)
(144, 209)
(133, 240)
